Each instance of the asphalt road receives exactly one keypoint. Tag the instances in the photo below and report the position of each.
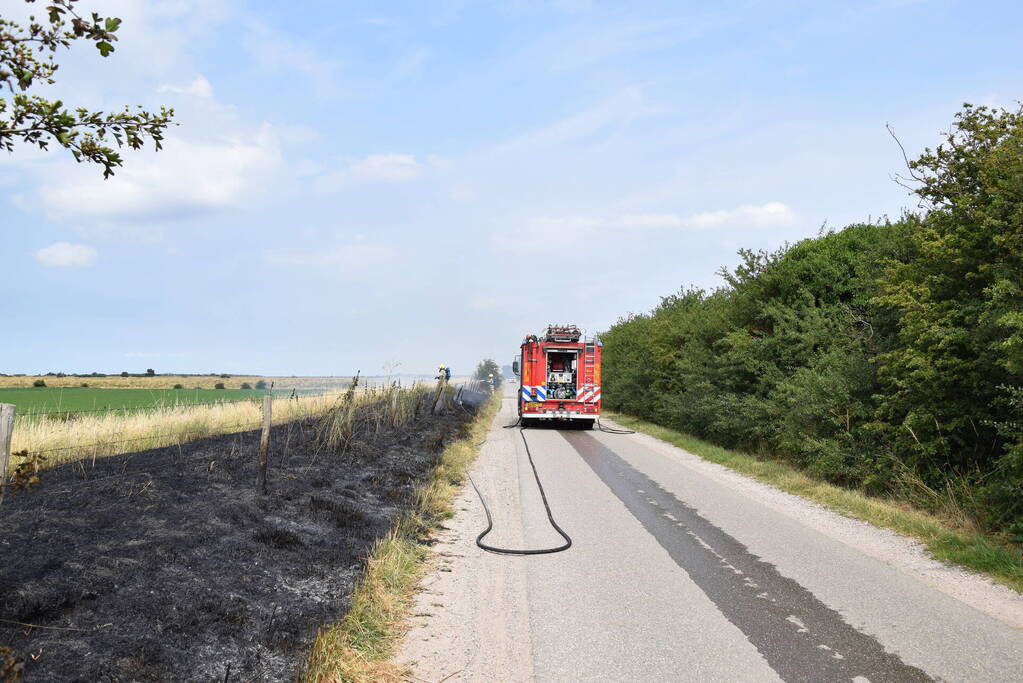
(683, 571)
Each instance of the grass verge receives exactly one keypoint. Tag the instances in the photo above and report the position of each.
(942, 538)
(360, 646)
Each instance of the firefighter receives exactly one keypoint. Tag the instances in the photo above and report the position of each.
(443, 372)
(494, 381)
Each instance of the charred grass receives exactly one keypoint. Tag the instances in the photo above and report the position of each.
(358, 648)
(168, 565)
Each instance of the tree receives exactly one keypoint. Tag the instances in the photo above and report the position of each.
(487, 367)
(150, 372)
(124, 374)
(958, 300)
(28, 58)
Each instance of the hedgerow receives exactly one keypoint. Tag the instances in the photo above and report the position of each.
(886, 356)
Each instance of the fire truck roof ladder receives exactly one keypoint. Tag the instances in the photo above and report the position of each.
(562, 333)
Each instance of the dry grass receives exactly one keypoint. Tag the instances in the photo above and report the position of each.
(948, 535)
(358, 649)
(91, 435)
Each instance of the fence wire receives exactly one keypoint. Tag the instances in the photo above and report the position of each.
(174, 406)
(114, 446)
(215, 431)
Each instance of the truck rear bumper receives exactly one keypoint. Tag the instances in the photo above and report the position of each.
(559, 415)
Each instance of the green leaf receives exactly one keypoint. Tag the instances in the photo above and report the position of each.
(112, 24)
(104, 48)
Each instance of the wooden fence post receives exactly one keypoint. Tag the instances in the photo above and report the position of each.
(6, 430)
(440, 398)
(264, 442)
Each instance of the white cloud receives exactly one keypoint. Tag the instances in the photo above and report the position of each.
(386, 167)
(535, 233)
(200, 87)
(439, 162)
(66, 255)
(297, 134)
(765, 215)
(623, 107)
(411, 64)
(462, 192)
(185, 178)
(275, 53)
(574, 5)
(351, 260)
(374, 167)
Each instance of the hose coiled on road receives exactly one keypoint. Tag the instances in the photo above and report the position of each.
(550, 517)
(543, 495)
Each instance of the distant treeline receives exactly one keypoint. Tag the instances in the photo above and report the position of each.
(147, 373)
(883, 356)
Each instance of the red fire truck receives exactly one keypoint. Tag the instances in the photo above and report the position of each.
(559, 376)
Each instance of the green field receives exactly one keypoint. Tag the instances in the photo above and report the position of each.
(72, 399)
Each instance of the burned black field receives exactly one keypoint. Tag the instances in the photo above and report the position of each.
(168, 565)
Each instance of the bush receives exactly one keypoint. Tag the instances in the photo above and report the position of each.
(124, 374)
(871, 356)
(39, 383)
(246, 385)
(219, 385)
(179, 386)
(85, 385)
(261, 385)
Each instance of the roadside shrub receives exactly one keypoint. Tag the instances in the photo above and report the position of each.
(85, 385)
(219, 385)
(261, 385)
(179, 386)
(883, 356)
(246, 385)
(39, 383)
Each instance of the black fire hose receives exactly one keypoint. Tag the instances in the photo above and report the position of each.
(612, 430)
(543, 495)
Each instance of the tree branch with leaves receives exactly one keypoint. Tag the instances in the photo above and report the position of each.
(28, 58)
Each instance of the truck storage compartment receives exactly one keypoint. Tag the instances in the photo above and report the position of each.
(562, 375)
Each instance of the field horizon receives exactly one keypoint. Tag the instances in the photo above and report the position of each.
(200, 381)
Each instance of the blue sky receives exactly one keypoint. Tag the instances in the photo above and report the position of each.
(359, 184)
